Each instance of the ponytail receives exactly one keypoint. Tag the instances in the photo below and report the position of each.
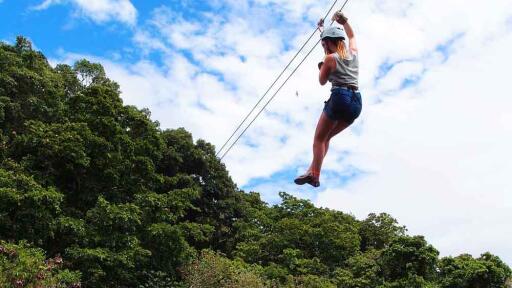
(341, 49)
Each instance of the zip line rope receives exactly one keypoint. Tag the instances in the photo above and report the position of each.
(271, 86)
(277, 79)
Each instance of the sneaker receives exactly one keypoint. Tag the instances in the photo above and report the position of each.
(307, 178)
(314, 182)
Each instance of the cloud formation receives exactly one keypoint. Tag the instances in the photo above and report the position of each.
(99, 11)
(431, 146)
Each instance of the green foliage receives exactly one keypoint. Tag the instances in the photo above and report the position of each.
(28, 211)
(89, 73)
(312, 281)
(377, 231)
(411, 281)
(159, 279)
(466, 272)
(23, 44)
(325, 237)
(169, 247)
(360, 271)
(24, 266)
(112, 253)
(130, 205)
(56, 153)
(214, 270)
(409, 256)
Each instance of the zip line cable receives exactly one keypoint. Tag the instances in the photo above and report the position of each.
(277, 79)
(279, 89)
(268, 102)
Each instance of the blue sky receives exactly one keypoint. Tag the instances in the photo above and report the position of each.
(66, 27)
(432, 143)
(56, 28)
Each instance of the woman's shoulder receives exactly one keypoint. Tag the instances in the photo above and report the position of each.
(331, 58)
(330, 61)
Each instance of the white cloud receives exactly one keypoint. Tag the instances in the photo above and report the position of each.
(435, 153)
(100, 11)
(47, 3)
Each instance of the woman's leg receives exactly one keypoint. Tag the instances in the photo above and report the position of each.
(322, 133)
(340, 126)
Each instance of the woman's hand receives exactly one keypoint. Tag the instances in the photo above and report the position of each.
(339, 17)
(320, 24)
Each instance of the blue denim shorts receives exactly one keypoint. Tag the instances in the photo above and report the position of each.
(344, 104)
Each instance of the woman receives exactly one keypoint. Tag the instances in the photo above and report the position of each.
(341, 68)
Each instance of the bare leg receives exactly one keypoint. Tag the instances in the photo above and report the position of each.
(338, 127)
(323, 129)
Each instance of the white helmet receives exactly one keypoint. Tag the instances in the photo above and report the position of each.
(333, 32)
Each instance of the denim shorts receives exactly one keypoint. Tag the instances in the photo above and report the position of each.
(344, 104)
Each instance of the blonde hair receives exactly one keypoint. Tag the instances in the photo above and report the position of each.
(340, 48)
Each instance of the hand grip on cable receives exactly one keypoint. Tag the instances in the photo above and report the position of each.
(340, 18)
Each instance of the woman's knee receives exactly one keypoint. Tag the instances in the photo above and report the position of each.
(331, 134)
(321, 139)
(340, 126)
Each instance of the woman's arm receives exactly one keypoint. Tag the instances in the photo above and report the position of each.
(351, 38)
(343, 20)
(326, 69)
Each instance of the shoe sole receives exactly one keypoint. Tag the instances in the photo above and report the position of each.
(303, 180)
(308, 179)
(314, 184)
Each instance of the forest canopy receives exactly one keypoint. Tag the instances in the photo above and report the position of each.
(93, 193)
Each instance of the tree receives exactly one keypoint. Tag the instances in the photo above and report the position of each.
(89, 73)
(377, 231)
(360, 271)
(214, 270)
(408, 257)
(28, 211)
(128, 204)
(23, 44)
(466, 272)
(24, 266)
(111, 254)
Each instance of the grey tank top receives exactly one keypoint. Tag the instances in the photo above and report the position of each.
(347, 71)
